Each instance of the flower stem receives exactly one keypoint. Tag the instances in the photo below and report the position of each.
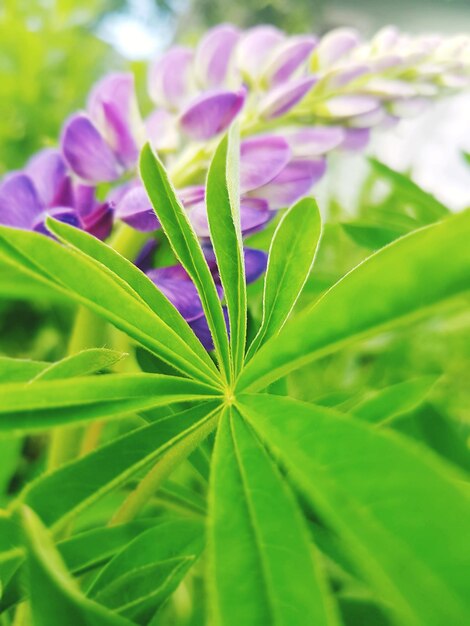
(148, 486)
(87, 332)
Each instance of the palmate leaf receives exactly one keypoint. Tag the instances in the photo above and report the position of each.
(400, 512)
(55, 597)
(45, 404)
(223, 212)
(400, 282)
(20, 370)
(185, 244)
(291, 257)
(97, 287)
(114, 464)
(428, 208)
(81, 553)
(137, 581)
(138, 282)
(263, 569)
(385, 405)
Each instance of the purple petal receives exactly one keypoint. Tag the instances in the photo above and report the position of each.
(356, 138)
(169, 77)
(295, 181)
(366, 120)
(288, 57)
(255, 48)
(338, 78)
(408, 107)
(254, 214)
(312, 142)
(144, 260)
(214, 53)
(136, 210)
(190, 196)
(162, 130)
(385, 39)
(113, 108)
(211, 113)
(84, 199)
(255, 263)
(335, 45)
(261, 159)
(99, 222)
(49, 175)
(62, 214)
(347, 106)
(87, 153)
(19, 201)
(282, 98)
(198, 218)
(202, 332)
(181, 292)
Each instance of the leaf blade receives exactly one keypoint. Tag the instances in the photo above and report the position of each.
(386, 520)
(185, 244)
(262, 571)
(223, 212)
(291, 256)
(371, 297)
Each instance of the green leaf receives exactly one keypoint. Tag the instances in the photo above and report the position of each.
(53, 403)
(99, 253)
(399, 510)
(396, 284)
(54, 594)
(428, 207)
(263, 570)
(80, 364)
(112, 465)
(386, 404)
(141, 577)
(291, 257)
(82, 553)
(20, 370)
(185, 244)
(371, 235)
(93, 285)
(223, 212)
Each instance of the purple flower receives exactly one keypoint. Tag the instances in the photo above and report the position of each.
(99, 145)
(44, 188)
(175, 284)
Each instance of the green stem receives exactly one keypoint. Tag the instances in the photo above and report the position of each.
(87, 332)
(148, 486)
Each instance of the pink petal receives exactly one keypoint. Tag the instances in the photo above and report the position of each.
(356, 138)
(113, 108)
(255, 48)
(261, 159)
(19, 201)
(335, 45)
(169, 77)
(162, 130)
(48, 172)
(211, 113)
(288, 57)
(312, 142)
(295, 181)
(136, 210)
(282, 98)
(213, 55)
(87, 153)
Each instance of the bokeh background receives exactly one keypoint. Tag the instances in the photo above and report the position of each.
(52, 51)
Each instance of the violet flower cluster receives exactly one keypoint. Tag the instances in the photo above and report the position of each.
(297, 98)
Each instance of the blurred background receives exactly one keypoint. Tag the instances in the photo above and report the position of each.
(52, 51)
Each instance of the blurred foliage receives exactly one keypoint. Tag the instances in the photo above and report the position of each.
(49, 58)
